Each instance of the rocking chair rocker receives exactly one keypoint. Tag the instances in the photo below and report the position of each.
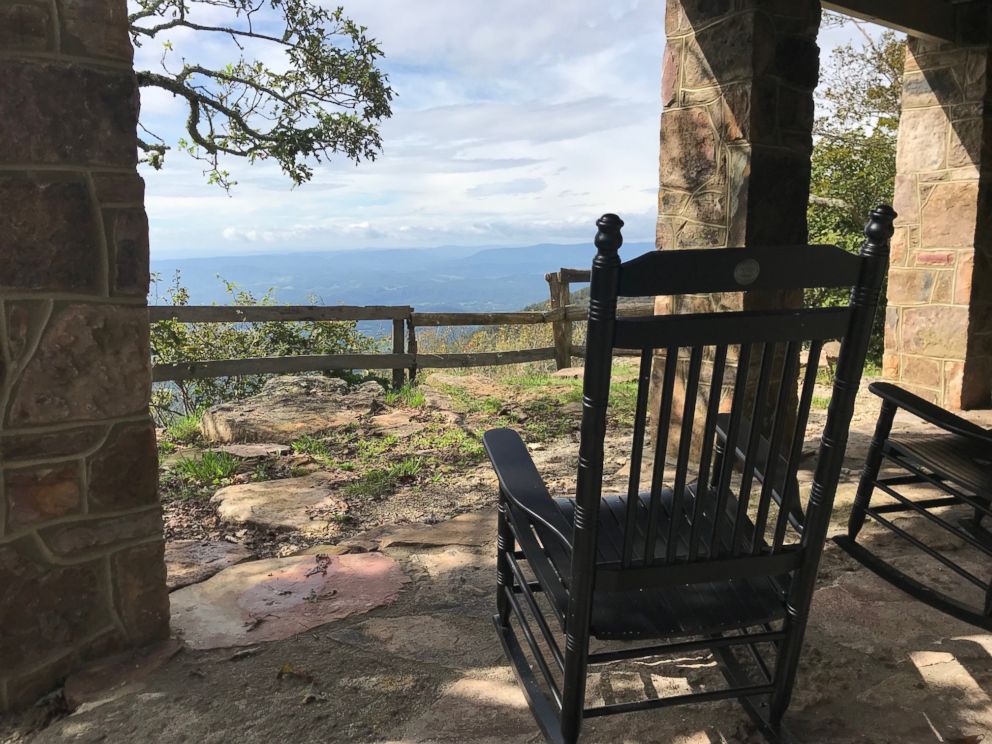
(694, 563)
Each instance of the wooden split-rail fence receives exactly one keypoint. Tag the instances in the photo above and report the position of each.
(404, 357)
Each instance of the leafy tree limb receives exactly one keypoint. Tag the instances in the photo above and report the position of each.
(329, 99)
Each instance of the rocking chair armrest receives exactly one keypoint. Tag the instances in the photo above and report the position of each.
(929, 412)
(522, 484)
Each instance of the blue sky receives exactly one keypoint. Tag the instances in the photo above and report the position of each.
(515, 123)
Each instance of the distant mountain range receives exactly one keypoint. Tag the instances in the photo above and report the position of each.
(446, 279)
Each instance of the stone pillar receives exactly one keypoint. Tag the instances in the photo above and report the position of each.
(938, 332)
(736, 130)
(81, 548)
(736, 134)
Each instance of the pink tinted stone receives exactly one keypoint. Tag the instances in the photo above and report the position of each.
(273, 599)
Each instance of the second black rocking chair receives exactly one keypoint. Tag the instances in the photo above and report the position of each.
(953, 459)
(696, 561)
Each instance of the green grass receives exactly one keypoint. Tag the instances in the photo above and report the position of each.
(309, 445)
(166, 447)
(465, 402)
(821, 401)
(532, 380)
(623, 402)
(210, 469)
(380, 482)
(185, 429)
(450, 441)
(408, 396)
(372, 449)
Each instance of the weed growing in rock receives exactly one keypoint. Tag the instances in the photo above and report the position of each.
(371, 449)
(380, 482)
(210, 469)
(454, 444)
(185, 429)
(408, 396)
(310, 445)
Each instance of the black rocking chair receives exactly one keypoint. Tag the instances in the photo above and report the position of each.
(956, 461)
(689, 567)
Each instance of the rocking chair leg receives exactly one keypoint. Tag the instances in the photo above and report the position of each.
(873, 462)
(787, 664)
(573, 700)
(504, 576)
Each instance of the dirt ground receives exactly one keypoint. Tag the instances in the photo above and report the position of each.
(877, 667)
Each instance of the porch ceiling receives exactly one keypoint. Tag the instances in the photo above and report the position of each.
(934, 19)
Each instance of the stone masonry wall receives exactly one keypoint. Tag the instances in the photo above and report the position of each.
(81, 550)
(736, 138)
(938, 335)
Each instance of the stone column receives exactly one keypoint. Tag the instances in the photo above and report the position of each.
(736, 134)
(736, 130)
(81, 548)
(938, 333)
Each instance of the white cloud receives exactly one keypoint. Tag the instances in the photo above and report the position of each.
(516, 186)
(515, 122)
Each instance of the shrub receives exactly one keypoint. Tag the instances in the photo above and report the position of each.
(173, 342)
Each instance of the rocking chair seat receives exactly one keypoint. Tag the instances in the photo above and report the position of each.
(953, 457)
(691, 609)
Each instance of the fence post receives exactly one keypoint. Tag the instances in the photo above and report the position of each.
(564, 300)
(561, 330)
(411, 347)
(398, 349)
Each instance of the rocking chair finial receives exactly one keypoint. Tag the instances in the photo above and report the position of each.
(879, 228)
(609, 239)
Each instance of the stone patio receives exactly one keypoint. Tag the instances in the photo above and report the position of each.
(877, 667)
(392, 642)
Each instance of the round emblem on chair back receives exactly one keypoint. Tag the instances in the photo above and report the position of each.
(746, 271)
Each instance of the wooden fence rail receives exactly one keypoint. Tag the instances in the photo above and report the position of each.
(405, 356)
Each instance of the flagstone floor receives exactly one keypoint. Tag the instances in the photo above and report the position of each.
(423, 665)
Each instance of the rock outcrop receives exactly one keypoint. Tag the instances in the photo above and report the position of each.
(308, 504)
(289, 407)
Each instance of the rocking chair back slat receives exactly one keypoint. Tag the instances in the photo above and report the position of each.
(726, 464)
(709, 432)
(779, 416)
(754, 433)
(640, 423)
(789, 493)
(660, 448)
(685, 444)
